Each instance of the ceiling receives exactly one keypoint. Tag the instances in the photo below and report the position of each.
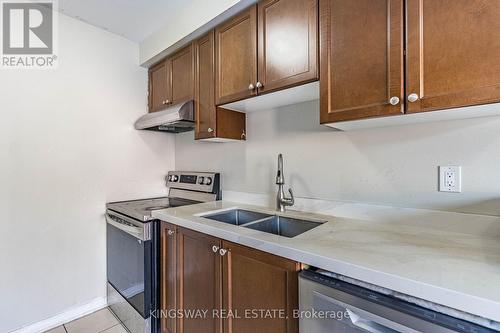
(132, 19)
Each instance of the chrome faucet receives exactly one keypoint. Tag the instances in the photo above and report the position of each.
(281, 200)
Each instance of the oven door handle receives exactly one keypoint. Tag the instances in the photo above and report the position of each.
(137, 232)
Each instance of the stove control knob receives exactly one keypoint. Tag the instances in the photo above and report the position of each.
(208, 181)
(175, 178)
(201, 180)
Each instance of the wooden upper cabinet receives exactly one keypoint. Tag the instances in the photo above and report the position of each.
(230, 125)
(204, 87)
(236, 57)
(199, 285)
(168, 275)
(212, 122)
(172, 80)
(287, 43)
(453, 53)
(277, 52)
(361, 58)
(182, 75)
(259, 280)
(159, 86)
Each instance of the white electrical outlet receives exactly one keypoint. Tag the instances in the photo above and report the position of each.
(450, 179)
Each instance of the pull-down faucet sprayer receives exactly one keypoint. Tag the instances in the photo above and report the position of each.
(281, 200)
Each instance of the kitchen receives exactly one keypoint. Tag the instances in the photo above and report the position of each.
(387, 124)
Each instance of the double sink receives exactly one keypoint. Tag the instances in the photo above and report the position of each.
(272, 224)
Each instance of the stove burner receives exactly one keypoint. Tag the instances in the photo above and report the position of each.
(180, 194)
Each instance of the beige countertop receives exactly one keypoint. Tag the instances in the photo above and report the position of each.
(448, 259)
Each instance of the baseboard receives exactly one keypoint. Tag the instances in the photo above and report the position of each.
(64, 317)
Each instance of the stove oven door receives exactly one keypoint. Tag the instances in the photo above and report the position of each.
(131, 261)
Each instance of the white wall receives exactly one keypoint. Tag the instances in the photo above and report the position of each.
(395, 166)
(67, 146)
(193, 15)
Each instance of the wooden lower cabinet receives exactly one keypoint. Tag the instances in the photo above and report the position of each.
(237, 289)
(260, 289)
(199, 281)
(168, 276)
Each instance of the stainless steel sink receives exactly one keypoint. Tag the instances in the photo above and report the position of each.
(237, 216)
(284, 226)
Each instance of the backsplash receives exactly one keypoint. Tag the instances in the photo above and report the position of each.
(391, 166)
(373, 213)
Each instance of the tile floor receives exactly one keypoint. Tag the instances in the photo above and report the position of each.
(102, 321)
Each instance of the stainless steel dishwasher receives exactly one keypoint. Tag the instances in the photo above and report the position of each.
(328, 305)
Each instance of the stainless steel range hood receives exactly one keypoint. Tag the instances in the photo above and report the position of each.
(175, 119)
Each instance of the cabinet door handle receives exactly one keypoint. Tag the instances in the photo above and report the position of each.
(170, 232)
(222, 252)
(394, 100)
(413, 98)
(243, 135)
(215, 248)
(251, 87)
(259, 85)
(210, 130)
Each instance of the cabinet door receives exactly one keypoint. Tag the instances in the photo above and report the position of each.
(204, 87)
(182, 77)
(159, 87)
(361, 59)
(199, 286)
(255, 280)
(236, 57)
(231, 124)
(287, 43)
(453, 53)
(168, 278)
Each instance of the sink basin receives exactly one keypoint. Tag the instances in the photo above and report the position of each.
(272, 224)
(284, 226)
(237, 216)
